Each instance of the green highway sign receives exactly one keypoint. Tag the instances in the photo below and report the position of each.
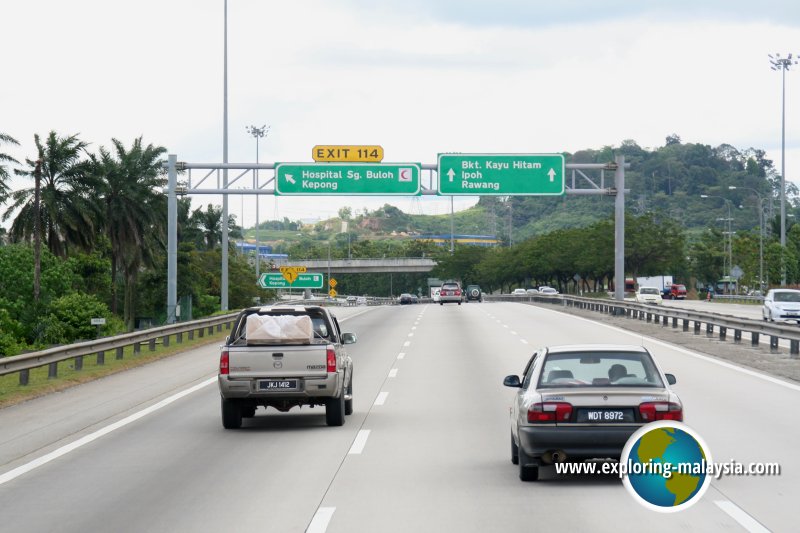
(360, 179)
(501, 174)
(276, 280)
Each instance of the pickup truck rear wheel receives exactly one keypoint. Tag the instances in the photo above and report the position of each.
(334, 411)
(231, 414)
(348, 403)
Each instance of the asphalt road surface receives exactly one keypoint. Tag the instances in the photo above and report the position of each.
(427, 448)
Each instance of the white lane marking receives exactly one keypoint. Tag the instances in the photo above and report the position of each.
(381, 399)
(319, 524)
(513, 332)
(410, 334)
(393, 373)
(505, 326)
(401, 355)
(55, 454)
(696, 355)
(744, 519)
(413, 327)
(359, 442)
(497, 321)
(407, 343)
(523, 341)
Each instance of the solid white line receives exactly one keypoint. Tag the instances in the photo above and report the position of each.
(401, 355)
(407, 343)
(319, 524)
(393, 373)
(381, 399)
(360, 442)
(744, 519)
(55, 454)
(696, 355)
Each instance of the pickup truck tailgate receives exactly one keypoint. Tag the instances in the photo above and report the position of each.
(307, 360)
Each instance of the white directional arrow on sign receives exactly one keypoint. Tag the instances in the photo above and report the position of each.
(290, 179)
(552, 174)
(450, 174)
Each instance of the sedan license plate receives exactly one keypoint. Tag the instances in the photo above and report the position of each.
(278, 384)
(605, 416)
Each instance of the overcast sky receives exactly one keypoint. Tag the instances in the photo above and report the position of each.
(418, 77)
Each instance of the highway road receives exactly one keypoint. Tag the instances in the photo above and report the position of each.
(427, 448)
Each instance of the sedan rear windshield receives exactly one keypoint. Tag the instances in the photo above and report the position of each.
(449, 286)
(649, 290)
(599, 369)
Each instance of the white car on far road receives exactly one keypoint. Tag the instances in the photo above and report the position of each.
(649, 295)
(782, 305)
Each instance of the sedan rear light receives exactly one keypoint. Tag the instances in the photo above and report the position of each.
(224, 361)
(331, 359)
(549, 412)
(653, 411)
(457, 292)
(442, 293)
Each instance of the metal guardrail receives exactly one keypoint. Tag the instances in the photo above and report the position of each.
(24, 363)
(738, 298)
(693, 320)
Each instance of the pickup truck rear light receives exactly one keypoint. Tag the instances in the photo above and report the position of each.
(652, 411)
(224, 361)
(549, 412)
(331, 359)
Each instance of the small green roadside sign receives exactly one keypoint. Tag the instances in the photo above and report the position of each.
(380, 179)
(501, 174)
(276, 280)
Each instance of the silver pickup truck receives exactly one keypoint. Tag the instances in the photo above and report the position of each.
(272, 372)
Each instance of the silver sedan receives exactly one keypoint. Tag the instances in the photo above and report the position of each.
(581, 402)
(782, 305)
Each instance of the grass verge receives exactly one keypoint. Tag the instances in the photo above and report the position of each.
(11, 392)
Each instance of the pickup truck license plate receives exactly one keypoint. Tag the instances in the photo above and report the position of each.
(278, 384)
(605, 415)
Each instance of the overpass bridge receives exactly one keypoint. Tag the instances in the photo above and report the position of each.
(355, 266)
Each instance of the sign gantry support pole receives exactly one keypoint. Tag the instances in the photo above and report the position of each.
(172, 238)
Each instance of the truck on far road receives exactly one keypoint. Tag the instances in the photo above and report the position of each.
(663, 282)
(284, 357)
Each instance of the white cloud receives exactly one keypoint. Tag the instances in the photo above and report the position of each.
(417, 82)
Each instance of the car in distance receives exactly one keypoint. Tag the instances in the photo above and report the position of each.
(405, 299)
(519, 292)
(351, 300)
(532, 291)
(649, 295)
(547, 290)
(414, 299)
(781, 305)
(677, 291)
(361, 300)
(583, 402)
(473, 292)
(450, 293)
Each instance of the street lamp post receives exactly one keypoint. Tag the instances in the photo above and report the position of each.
(258, 133)
(782, 63)
(729, 232)
(760, 234)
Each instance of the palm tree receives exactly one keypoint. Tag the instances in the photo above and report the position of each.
(134, 211)
(5, 159)
(67, 214)
(209, 223)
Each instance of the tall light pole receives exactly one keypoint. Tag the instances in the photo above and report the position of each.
(730, 232)
(760, 233)
(782, 63)
(224, 283)
(258, 133)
